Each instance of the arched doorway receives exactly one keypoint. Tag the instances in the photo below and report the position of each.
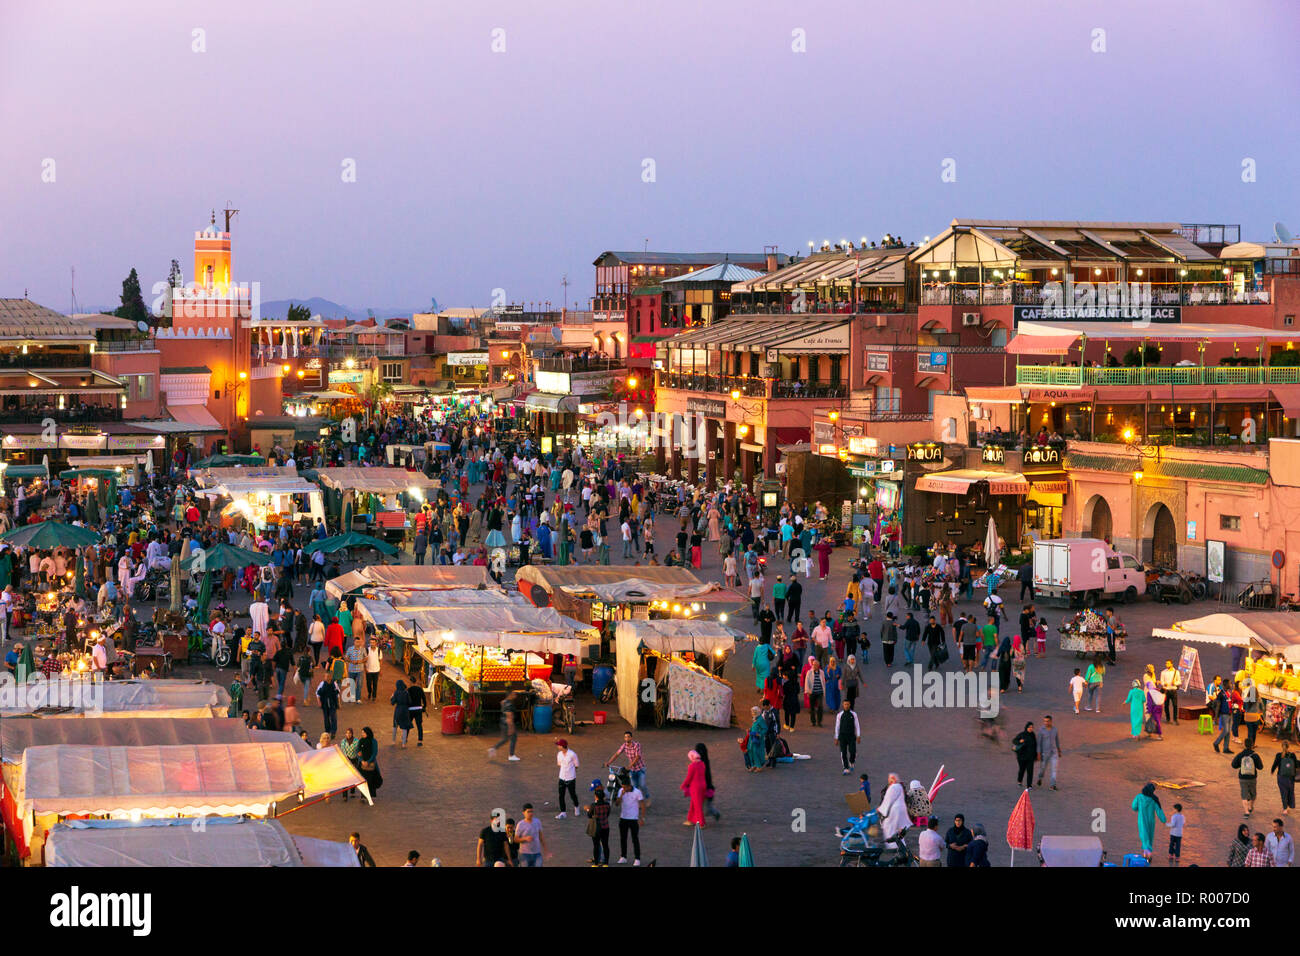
(1098, 522)
(1162, 532)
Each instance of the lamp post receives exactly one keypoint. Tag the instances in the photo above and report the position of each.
(232, 388)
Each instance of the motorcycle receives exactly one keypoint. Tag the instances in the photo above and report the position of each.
(862, 845)
(614, 783)
(1172, 586)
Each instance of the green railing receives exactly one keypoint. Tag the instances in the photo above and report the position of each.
(1157, 375)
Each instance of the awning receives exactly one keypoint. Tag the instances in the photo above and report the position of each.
(1243, 393)
(1289, 401)
(1121, 395)
(1055, 344)
(543, 401)
(196, 415)
(1275, 633)
(958, 482)
(996, 395)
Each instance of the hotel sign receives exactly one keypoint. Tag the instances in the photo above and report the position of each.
(932, 361)
(1042, 455)
(877, 361)
(554, 383)
(925, 452)
(708, 407)
(460, 359)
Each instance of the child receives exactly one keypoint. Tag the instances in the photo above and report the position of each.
(1176, 822)
(1076, 689)
(1041, 634)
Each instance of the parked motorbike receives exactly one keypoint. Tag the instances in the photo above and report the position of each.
(1172, 586)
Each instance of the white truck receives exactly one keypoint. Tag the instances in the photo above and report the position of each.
(1086, 570)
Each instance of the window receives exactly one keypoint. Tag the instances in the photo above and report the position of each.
(835, 370)
(392, 372)
(1129, 562)
(1229, 522)
(813, 370)
(1289, 320)
(1112, 563)
(139, 387)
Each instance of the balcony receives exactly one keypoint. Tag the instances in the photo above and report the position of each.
(146, 344)
(1073, 376)
(862, 307)
(35, 415)
(578, 363)
(1019, 293)
(752, 386)
(38, 358)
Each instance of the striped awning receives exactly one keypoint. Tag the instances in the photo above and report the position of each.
(958, 482)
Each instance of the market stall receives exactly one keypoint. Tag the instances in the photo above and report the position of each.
(1271, 640)
(263, 495)
(220, 841)
(16, 735)
(132, 783)
(409, 577)
(680, 657)
(1085, 634)
(377, 496)
(123, 699)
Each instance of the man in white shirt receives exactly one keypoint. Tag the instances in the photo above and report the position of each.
(1279, 845)
(6, 608)
(567, 761)
(931, 845)
(260, 614)
(627, 539)
(1170, 682)
(630, 817)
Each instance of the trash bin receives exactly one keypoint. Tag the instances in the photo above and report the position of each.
(543, 716)
(453, 719)
(601, 675)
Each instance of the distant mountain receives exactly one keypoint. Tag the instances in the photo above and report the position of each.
(279, 308)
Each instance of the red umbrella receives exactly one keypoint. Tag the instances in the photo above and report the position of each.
(1020, 828)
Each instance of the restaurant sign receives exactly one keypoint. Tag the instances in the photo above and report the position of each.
(1132, 311)
(927, 451)
(823, 432)
(141, 442)
(993, 455)
(863, 445)
(877, 361)
(1042, 455)
(932, 361)
(708, 407)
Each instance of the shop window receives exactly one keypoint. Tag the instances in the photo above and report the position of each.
(1229, 522)
(814, 372)
(392, 372)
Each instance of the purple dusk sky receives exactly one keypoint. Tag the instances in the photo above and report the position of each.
(478, 170)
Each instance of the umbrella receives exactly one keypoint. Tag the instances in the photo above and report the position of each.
(92, 509)
(26, 666)
(50, 534)
(495, 539)
(746, 853)
(699, 856)
(227, 461)
(79, 586)
(222, 556)
(991, 544)
(347, 516)
(1020, 828)
(176, 587)
(352, 539)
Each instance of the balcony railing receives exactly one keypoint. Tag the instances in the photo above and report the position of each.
(862, 307)
(751, 386)
(1157, 375)
(1019, 293)
(28, 415)
(37, 358)
(127, 345)
(577, 363)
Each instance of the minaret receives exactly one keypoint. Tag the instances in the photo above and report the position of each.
(212, 258)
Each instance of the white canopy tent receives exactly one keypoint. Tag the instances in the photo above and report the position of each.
(667, 637)
(129, 698)
(1276, 633)
(378, 480)
(250, 488)
(539, 630)
(220, 841)
(19, 733)
(410, 577)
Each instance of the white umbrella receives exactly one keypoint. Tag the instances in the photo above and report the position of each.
(991, 544)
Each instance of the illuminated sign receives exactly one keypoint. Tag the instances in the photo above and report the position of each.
(459, 359)
(993, 455)
(1042, 455)
(556, 383)
(863, 446)
(925, 451)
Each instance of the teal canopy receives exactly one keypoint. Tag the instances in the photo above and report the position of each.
(229, 461)
(352, 539)
(50, 534)
(222, 556)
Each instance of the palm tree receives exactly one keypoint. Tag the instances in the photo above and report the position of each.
(376, 394)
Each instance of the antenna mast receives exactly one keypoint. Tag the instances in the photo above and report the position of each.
(230, 214)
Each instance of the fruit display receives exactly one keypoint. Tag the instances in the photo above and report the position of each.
(486, 664)
(1273, 676)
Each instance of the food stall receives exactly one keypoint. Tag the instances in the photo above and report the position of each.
(263, 495)
(1271, 640)
(475, 655)
(377, 495)
(55, 782)
(220, 841)
(1085, 633)
(680, 657)
(395, 578)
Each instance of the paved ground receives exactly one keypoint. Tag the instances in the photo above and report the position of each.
(435, 798)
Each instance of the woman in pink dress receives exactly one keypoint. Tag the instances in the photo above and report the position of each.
(695, 786)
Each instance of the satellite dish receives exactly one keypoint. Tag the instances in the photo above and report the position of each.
(1281, 233)
(142, 326)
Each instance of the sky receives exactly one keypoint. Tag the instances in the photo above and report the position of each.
(504, 144)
